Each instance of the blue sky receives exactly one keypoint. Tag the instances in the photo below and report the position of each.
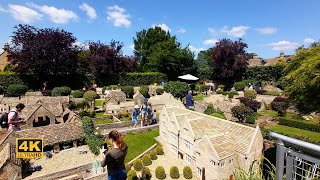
(268, 27)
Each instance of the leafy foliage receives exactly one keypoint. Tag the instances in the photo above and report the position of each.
(94, 142)
(15, 90)
(159, 91)
(159, 150)
(174, 172)
(218, 115)
(145, 173)
(77, 94)
(137, 165)
(146, 160)
(264, 73)
(241, 112)
(132, 175)
(232, 94)
(87, 125)
(153, 154)
(261, 91)
(301, 124)
(90, 95)
(250, 94)
(280, 105)
(160, 173)
(177, 89)
(187, 172)
(302, 79)
(61, 91)
(251, 119)
(128, 90)
(239, 86)
(128, 167)
(253, 104)
(210, 110)
(139, 79)
(144, 90)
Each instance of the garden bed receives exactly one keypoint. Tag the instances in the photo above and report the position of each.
(103, 121)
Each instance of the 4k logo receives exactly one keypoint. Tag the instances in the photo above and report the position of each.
(27, 148)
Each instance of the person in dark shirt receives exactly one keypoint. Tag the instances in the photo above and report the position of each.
(114, 158)
(189, 100)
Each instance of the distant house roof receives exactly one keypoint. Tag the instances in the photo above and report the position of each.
(166, 99)
(55, 109)
(117, 95)
(37, 93)
(255, 62)
(4, 155)
(56, 133)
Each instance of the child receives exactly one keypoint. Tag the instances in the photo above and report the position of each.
(135, 114)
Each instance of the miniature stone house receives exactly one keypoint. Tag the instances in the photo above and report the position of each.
(138, 98)
(115, 97)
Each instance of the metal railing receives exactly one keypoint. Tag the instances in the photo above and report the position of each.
(296, 159)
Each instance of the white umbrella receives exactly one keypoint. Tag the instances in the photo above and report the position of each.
(188, 77)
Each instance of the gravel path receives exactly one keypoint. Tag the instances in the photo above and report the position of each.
(63, 160)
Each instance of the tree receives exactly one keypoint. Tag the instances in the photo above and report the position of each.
(158, 51)
(106, 59)
(46, 51)
(302, 79)
(204, 57)
(177, 89)
(229, 60)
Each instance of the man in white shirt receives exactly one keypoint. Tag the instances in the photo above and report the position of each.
(13, 118)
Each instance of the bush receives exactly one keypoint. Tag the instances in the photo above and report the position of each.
(187, 172)
(253, 104)
(218, 115)
(61, 91)
(137, 165)
(174, 172)
(153, 154)
(177, 89)
(91, 113)
(160, 173)
(204, 88)
(221, 86)
(264, 73)
(128, 167)
(159, 150)
(113, 87)
(144, 90)
(145, 173)
(128, 90)
(125, 114)
(159, 91)
(210, 110)
(232, 94)
(241, 112)
(251, 119)
(280, 105)
(15, 90)
(119, 115)
(301, 124)
(261, 91)
(94, 142)
(146, 160)
(90, 95)
(138, 79)
(250, 94)
(219, 92)
(132, 175)
(77, 94)
(271, 93)
(87, 125)
(239, 86)
(225, 93)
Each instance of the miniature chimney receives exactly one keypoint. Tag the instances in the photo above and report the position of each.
(281, 54)
(255, 56)
(6, 47)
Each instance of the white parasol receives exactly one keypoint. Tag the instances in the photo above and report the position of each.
(188, 77)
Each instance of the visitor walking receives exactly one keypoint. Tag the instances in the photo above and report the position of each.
(144, 113)
(114, 158)
(149, 112)
(135, 114)
(189, 100)
(13, 118)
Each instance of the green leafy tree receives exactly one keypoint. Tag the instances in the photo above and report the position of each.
(177, 89)
(302, 79)
(15, 90)
(204, 70)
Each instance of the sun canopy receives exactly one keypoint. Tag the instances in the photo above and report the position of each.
(188, 77)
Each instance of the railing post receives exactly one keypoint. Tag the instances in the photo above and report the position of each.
(280, 160)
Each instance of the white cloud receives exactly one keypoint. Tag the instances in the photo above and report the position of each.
(284, 45)
(131, 46)
(58, 16)
(163, 27)
(117, 15)
(91, 12)
(236, 31)
(2, 10)
(211, 42)
(181, 30)
(267, 30)
(194, 49)
(81, 45)
(309, 40)
(23, 14)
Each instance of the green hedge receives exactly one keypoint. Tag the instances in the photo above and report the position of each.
(301, 124)
(77, 94)
(61, 91)
(264, 73)
(138, 79)
(15, 90)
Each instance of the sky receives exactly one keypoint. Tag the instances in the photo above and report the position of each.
(267, 26)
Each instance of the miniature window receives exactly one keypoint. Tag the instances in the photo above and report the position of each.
(188, 157)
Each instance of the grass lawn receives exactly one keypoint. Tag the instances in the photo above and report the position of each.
(138, 143)
(125, 119)
(269, 113)
(129, 100)
(100, 114)
(294, 132)
(98, 102)
(104, 121)
(198, 97)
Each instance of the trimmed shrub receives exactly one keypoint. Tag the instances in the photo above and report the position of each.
(232, 94)
(119, 115)
(218, 115)
(174, 172)
(15, 90)
(253, 104)
(187, 172)
(77, 94)
(219, 92)
(128, 167)
(61, 91)
(160, 173)
(138, 79)
(177, 89)
(210, 110)
(153, 154)
(145, 173)
(261, 91)
(301, 124)
(128, 90)
(239, 86)
(221, 86)
(137, 165)
(125, 114)
(251, 119)
(280, 105)
(159, 91)
(146, 160)
(113, 87)
(90, 95)
(159, 150)
(271, 93)
(241, 112)
(132, 175)
(250, 94)
(144, 90)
